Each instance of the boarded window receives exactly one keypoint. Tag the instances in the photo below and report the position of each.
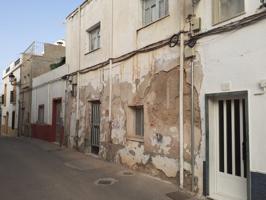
(154, 10)
(41, 114)
(226, 9)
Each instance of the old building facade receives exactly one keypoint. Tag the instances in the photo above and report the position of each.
(126, 64)
(172, 88)
(37, 60)
(230, 52)
(10, 100)
(126, 77)
(48, 105)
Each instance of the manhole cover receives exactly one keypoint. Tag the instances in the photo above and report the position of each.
(105, 181)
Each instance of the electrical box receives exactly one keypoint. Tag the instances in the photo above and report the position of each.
(262, 84)
(196, 24)
(189, 52)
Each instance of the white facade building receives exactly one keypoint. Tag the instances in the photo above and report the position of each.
(48, 105)
(10, 100)
(232, 97)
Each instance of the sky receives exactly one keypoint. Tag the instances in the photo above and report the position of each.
(25, 21)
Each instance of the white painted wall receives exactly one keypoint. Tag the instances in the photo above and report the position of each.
(46, 88)
(15, 69)
(128, 31)
(237, 57)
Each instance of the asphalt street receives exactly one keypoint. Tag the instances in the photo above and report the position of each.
(36, 170)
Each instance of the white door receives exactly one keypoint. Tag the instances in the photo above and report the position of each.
(227, 154)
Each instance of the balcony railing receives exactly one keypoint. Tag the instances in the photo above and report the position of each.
(36, 48)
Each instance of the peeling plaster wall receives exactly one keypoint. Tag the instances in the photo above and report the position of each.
(148, 79)
(151, 80)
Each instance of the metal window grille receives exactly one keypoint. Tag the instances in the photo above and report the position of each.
(139, 121)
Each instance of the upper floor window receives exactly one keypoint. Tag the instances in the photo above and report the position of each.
(12, 97)
(154, 10)
(226, 9)
(94, 37)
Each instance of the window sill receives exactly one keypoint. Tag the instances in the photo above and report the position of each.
(89, 52)
(229, 19)
(135, 139)
(145, 26)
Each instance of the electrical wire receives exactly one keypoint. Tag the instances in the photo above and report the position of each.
(174, 40)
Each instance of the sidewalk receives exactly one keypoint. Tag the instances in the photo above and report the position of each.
(107, 178)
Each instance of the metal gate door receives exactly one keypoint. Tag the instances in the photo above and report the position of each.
(95, 128)
(228, 149)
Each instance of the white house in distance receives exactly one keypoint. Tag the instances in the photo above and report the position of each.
(48, 105)
(10, 100)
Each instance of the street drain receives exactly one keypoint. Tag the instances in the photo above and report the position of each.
(106, 181)
(126, 173)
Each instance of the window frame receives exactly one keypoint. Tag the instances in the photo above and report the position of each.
(216, 18)
(95, 29)
(39, 116)
(132, 127)
(12, 97)
(158, 16)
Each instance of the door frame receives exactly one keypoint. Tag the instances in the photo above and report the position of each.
(92, 147)
(55, 100)
(206, 163)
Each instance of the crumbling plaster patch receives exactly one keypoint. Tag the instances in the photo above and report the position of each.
(132, 155)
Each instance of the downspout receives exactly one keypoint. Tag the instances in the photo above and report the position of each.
(181, 96)
(192, 128)
(48, 105)
(111, 74)
(192, 125)
(78, 81)
(65, 116)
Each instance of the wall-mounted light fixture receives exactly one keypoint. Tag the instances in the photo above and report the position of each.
(12, 78)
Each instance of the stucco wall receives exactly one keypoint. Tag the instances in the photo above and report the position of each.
(239, 57)
(46, 88)
(10, 107)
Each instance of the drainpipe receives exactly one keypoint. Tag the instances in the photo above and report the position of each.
(78, 81)
(192, 128)
(111, 73)
(181, 95)
(48, 105)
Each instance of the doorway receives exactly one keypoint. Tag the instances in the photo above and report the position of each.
(6, 123)
(227, 148)
(57, 123)
(95, 127)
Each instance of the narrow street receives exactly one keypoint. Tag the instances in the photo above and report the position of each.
(32, 169)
